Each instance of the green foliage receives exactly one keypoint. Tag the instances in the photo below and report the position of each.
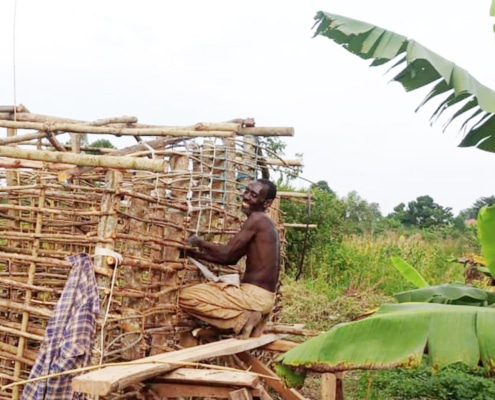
(358, 277)
(101, 144)
(486, 235)
(308, 248)
(456, 381)
(289, 377)
(456, 294)
(396, 336)
(414, 67)
(423, 213)
(472, 212)
(409, 273)
(366, 260)
(361, 216)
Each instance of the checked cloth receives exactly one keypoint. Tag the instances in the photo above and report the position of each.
(69, 336)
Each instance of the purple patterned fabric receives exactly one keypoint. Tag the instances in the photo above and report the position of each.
(69, 336)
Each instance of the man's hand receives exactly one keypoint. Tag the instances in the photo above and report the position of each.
(194, 241)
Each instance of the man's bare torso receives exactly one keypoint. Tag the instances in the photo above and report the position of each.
(262, 255)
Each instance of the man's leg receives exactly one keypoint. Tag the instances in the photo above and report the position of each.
(260, 327)
(253, 320)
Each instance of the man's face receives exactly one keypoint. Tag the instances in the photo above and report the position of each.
(254, 198)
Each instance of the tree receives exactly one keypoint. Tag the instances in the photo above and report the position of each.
(472, 212)
(322, 185)
(101, 144)
(422, 213)
(309, 248)
(361, 216)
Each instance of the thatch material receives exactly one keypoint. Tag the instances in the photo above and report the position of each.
(143, 207)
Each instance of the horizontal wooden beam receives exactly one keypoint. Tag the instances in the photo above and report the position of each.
(124, 162)
(106, 380)
(295, 195)
(54, 126)
(208, 376)
(175, 390)
(307, 226)
(283, 162)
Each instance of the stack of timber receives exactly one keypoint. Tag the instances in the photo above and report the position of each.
(59, 198)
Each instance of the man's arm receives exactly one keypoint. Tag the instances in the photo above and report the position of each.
(226, 254)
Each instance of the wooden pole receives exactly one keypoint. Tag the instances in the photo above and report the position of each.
(131, 163)
(328, 387)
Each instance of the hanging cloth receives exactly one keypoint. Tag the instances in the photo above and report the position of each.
(69, 336)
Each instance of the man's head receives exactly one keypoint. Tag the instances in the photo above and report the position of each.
(258, 196)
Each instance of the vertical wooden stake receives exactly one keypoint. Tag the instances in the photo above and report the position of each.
(328, 387)
(241, 394)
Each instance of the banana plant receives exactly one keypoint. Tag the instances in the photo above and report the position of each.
(415, 67)
(397, 336)
(452, 321)
(486, 236)
(408, 272)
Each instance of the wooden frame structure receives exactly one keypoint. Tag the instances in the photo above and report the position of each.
(142, 201)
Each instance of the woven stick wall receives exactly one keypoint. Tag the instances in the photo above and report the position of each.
(142, 202)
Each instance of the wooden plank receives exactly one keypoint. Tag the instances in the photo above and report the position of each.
(339, 391)
(262, 393)
(280, 345)
(328, 386)
(174, 390)
(108, 379)
(241, 394)
(210, 376)
(260, 368)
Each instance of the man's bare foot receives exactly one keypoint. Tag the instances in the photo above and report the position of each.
(259, 328)
(253, 320)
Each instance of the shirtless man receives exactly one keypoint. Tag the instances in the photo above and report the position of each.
(243, 309)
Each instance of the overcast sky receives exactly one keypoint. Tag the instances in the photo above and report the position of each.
(182, 62)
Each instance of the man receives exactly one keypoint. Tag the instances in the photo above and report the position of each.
(244, 309)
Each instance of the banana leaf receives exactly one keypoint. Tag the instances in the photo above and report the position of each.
(486, 235)
(408, 272)
(397, 335)
(417, 67)
(456, 294)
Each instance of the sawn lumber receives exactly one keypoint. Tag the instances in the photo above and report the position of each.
(108, 379)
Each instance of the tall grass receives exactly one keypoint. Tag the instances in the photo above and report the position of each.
(363, 263)
(345, 281)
